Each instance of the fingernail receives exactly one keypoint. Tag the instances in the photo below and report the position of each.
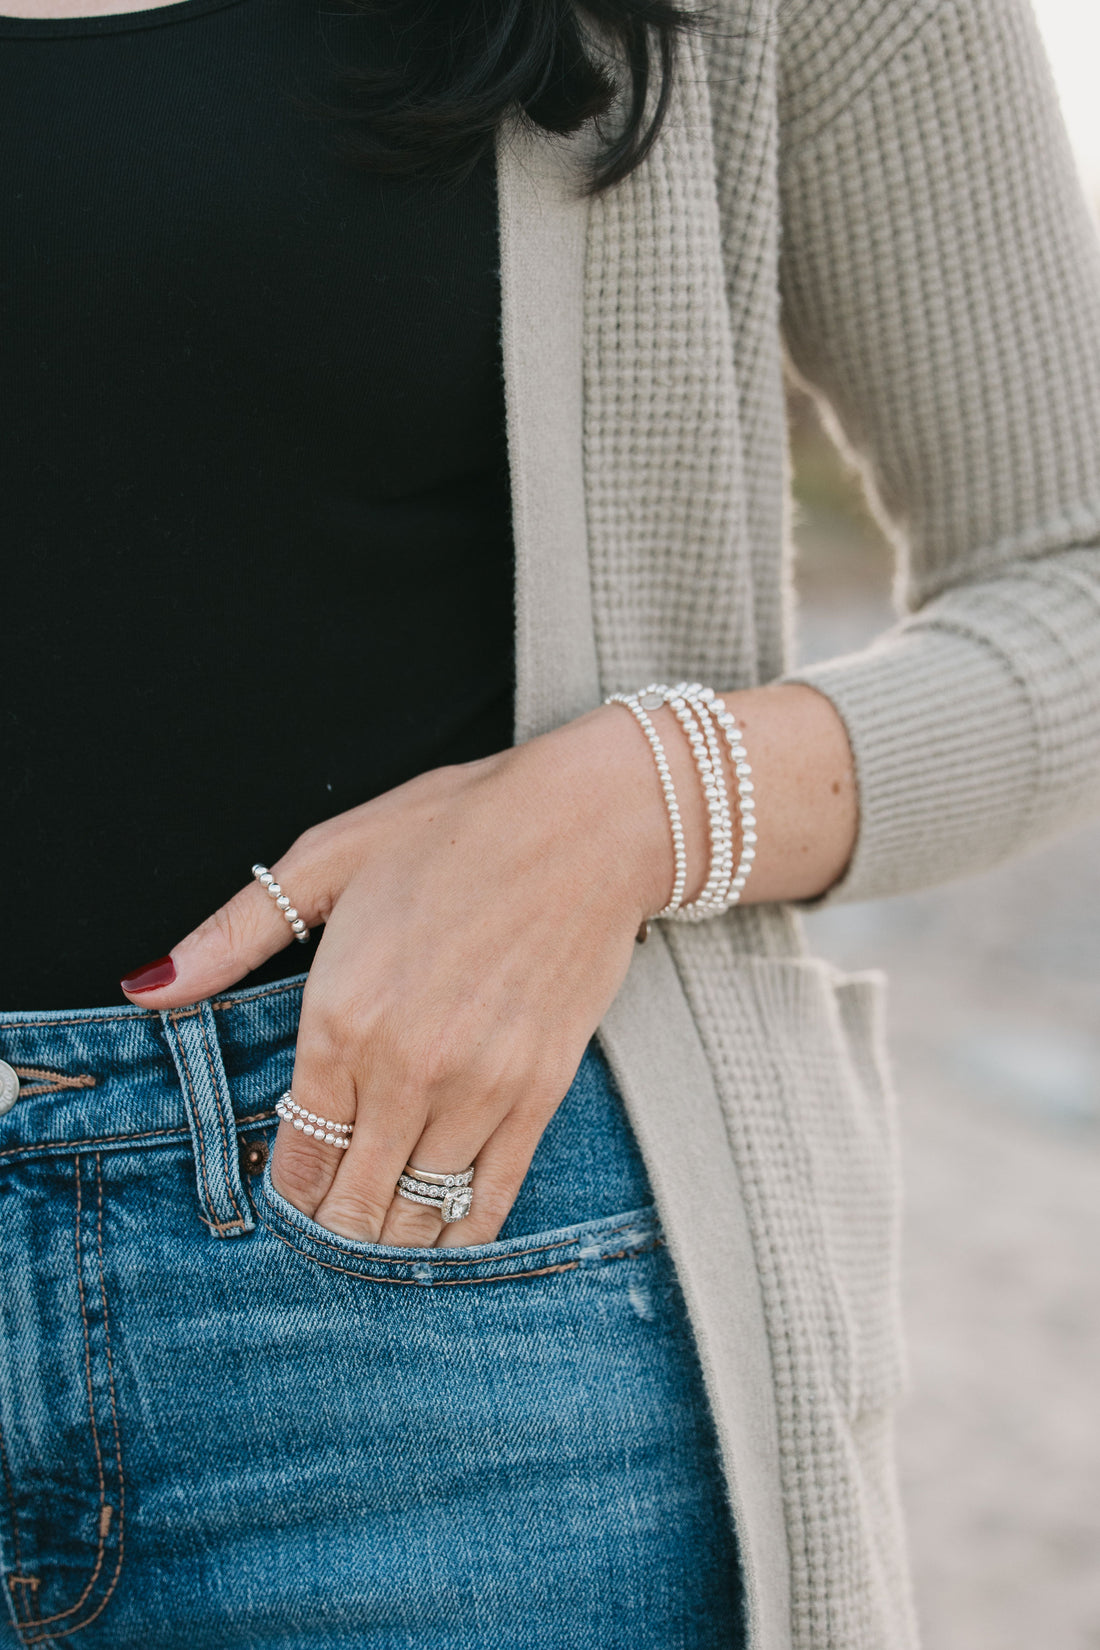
(152, 977)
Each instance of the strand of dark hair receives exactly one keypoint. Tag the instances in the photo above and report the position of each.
(456, 67)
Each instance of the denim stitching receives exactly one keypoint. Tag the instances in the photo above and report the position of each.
(62, 1614)
(76, 1627)
(221, 1116)
(513, 1254)
(210, 1204)
(52, 1081)
(26, 1608)
(80, 1020)
(150, 1134)
(413, 1283)
(217, 1004)
(652, 1242)
(107, 1139)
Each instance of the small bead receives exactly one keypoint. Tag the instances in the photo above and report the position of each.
(749, 836)
(267, 879)
(298, 1123)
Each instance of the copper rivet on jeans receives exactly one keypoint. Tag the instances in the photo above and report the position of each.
(252, 1156)
(9, 1087)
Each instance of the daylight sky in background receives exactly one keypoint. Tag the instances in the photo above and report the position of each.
(1071, 30)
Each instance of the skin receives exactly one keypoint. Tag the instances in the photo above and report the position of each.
(478, 923)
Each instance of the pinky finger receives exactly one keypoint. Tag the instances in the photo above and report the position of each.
(501, 1165)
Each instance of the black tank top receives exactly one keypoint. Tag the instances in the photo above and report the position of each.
(256, 549)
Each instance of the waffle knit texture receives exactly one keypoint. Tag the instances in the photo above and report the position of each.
(881, 192)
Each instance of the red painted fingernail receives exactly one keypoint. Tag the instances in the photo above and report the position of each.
(152, 977)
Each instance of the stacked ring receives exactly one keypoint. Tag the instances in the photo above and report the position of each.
(450, 1194)
(321, 1128)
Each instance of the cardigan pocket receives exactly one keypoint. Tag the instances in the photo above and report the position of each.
(812, 1114)
(866, 1242)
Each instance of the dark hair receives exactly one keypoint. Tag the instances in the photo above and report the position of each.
(458, 66)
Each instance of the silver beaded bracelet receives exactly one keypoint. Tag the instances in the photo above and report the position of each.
(638, 705)
(705, 721)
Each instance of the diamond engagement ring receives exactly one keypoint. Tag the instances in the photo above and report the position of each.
(450, 1194)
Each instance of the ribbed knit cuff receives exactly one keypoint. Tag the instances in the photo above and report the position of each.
(946, 757)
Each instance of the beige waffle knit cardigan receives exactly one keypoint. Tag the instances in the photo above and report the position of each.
(884, 189)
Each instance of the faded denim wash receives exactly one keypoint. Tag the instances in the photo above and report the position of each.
(225, 1428)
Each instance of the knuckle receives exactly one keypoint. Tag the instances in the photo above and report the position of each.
(233, 927)
(410, 1227)
(340, 1025)
(491, 1207)
(440, 1060)
(300, 1174)
(354, 1212)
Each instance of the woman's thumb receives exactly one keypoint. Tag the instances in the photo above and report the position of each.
(222, 950)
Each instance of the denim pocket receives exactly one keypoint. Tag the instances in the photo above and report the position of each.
(63, 1477)
(540, 1254)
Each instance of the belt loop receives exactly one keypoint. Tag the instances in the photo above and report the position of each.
(193, 1038)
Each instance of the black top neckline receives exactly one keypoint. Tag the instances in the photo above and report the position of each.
(121, 22)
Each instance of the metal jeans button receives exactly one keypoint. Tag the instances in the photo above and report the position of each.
(9, 1087)
(252, 1155)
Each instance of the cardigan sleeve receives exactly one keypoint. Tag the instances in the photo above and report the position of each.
(940, 289)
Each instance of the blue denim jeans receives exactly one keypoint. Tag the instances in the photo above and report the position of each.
(223, 1426)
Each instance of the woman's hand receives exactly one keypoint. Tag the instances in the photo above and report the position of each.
(478, 923)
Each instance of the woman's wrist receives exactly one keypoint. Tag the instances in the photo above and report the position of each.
(805, 795)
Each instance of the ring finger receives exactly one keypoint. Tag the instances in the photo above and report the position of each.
(500, 1165)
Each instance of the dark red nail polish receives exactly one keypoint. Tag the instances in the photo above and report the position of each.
(152, 977)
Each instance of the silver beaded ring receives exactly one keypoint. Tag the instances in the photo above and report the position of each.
(266, 880)
(323, 1129)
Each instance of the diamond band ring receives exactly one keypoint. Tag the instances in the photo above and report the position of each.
(450, 1194)
(462, 1179)
(321, 1128)
(266, 880)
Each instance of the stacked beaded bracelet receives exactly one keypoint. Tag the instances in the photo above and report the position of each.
(266, 880)
(638, 705)
(706, 721)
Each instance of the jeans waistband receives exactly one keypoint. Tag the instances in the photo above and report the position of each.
(117, 1079)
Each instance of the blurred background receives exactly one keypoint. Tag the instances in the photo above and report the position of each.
(995, 1020)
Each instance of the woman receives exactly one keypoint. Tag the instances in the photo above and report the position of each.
(632, 1383)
